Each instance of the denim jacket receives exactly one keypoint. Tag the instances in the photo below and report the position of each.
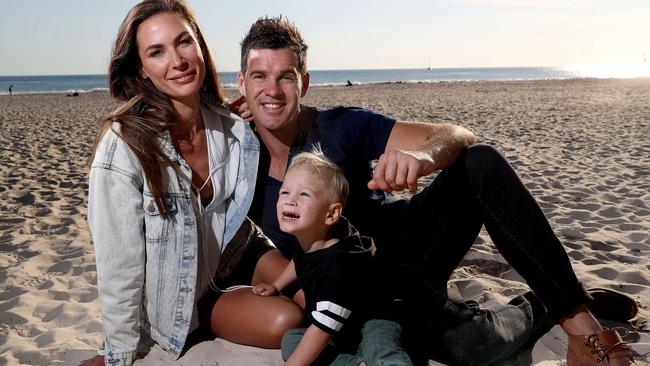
(147, 265)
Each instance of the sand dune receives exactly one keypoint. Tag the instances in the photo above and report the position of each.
(580, 146)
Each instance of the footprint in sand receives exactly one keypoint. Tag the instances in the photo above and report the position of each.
(586, 206)
(6, 245)
(59, 295)
(42, 212)
(573, 245)
(66, 184)
(631, 288)
(10, 320)
(640, 237)
(576, 255)
(606, 273)
(588, 229)
(636, 278)
(46, 285)
(8, 223)
(564, 220)
(572, 234)
(581, 215)
(601, 246)
(46, 339)
(49, 313)
(61, 267)
(636, 202)
(70, 255)
(26, 199)
(609, 212)
(50, 196)
(592, 261)
(85, 295)
(11, 293)
(45, 228)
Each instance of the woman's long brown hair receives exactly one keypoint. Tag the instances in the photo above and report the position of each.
(143, 112)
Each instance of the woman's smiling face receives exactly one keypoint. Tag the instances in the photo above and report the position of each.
(170, 56)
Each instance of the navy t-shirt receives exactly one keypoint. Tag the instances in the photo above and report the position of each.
(351, 138)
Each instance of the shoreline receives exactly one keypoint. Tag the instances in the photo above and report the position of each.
(370, 84)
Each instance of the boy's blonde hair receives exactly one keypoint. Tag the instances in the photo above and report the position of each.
(317, 164)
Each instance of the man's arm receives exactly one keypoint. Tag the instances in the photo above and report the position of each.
(416, 149)
(310, 346)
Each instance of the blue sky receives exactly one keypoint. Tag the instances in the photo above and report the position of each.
(42, 37)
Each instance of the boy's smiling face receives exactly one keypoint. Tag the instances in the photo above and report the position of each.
(303, 204)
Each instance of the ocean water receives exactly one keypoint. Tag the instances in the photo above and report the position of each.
(87, 83)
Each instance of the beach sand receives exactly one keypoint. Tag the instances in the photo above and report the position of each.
(580, 146)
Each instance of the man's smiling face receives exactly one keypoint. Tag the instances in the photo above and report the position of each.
(273, 87)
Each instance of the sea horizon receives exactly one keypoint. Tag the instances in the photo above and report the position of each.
(84, 83)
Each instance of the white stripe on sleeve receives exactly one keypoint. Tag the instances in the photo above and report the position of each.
(333, 308)
(326, 321)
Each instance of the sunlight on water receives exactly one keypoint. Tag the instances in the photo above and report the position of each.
(617, 70)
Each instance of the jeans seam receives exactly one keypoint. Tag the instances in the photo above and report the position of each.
(522, 248)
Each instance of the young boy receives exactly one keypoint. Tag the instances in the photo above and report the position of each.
(332, 267)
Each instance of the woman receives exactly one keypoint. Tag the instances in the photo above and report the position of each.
(171, 181)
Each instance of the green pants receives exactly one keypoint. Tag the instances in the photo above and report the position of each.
(381, 344)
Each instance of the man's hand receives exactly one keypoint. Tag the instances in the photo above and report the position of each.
(265, 289)
(399, 169)
(240, 108)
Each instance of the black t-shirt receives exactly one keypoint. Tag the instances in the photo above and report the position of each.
(336, 285)
(351, 138)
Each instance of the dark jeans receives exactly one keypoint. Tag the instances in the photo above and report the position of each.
(439, 226)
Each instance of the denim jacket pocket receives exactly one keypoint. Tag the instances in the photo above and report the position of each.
(157, 226)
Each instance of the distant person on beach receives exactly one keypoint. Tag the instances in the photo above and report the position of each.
(171, 181)
(348, 83)
(332, 265)
(11, 89)
(422, 240)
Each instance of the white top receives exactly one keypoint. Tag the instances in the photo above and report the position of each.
(223, 158)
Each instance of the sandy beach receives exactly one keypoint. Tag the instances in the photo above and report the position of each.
(580, 146)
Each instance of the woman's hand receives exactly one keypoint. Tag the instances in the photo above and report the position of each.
(265, 289)
(240, 108)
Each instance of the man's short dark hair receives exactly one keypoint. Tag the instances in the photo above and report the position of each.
(274, 33)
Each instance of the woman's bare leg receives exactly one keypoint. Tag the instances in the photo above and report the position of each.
(261, 321)
(269, 268)
(243, 317)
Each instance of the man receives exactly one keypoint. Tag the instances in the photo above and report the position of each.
(429, 234)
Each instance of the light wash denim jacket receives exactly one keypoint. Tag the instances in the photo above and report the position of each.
(146, 265)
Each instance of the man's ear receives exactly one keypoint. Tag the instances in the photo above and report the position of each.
(334, 213)
(305, 85)
(240, 83)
